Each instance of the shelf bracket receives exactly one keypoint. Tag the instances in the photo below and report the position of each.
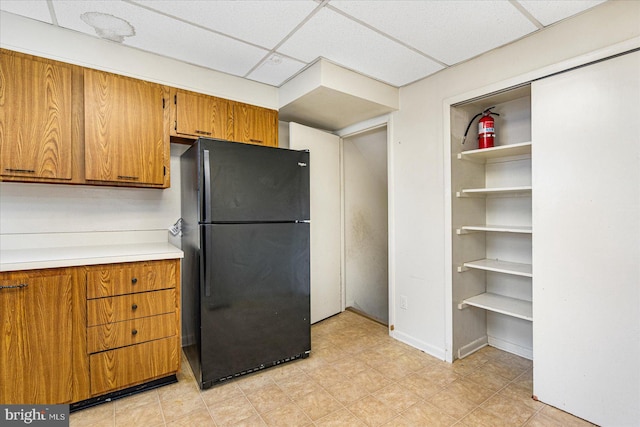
(462, 306)
(462, 269)
(460, 231)
(467, 159)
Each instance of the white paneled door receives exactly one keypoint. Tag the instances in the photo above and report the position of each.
(324, 168)
(586, 241)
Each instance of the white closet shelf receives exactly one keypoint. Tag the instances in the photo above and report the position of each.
(483, 192)
(513, 268)
(500, 304)
(484, 154)
(498, 228)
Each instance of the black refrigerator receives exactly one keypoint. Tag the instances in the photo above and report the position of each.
(245, 272)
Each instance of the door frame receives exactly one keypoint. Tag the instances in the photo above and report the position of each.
(350, 131)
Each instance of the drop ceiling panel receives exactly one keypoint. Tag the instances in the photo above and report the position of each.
(330, 35)
(264, 23)
(165, 36)
(37, 10)
(449, 31)
(276, 70)
(550, 11)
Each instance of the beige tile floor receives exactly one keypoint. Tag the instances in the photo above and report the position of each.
(356, 376)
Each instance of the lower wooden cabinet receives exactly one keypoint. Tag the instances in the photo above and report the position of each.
(133, 323)
(36, 337)
(126, 366)
(72, 334)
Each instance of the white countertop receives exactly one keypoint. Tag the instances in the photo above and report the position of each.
(73, 256)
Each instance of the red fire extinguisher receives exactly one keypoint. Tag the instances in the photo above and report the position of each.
(486, 128)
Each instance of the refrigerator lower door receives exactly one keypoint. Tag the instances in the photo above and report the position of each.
(254, 297)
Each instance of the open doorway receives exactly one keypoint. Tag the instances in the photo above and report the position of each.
(366, 277)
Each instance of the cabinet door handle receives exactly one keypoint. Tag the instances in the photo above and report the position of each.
(21, 285)
(202, 132)
(134, 332)
(20, 170)
(134, 307)
(128, 178)
(256, 140)
(134, 281)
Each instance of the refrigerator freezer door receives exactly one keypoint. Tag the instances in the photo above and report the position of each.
(254, 297)
(250, 183)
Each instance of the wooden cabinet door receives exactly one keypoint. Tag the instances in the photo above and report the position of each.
(124, 138)
(255, 125)
(36, 340)
(35, 118)
(200, 115)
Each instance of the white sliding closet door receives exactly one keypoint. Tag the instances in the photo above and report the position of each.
(586, 241)
(324, 170)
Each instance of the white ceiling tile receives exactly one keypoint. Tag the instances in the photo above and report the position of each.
(449, 31)
(34, 9)
(345, 42)
(550, 11)
(277, 70)
(264, 23)
(168, 37)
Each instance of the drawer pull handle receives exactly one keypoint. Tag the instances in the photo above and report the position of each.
(134, 307)
(202, 132)
(134, 332)
(21, 285)
(134, 281)
(128, 178)
(20, 170)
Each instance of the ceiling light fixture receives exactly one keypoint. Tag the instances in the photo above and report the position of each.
(108, 26)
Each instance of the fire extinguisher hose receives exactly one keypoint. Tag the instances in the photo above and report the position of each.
(487, 111)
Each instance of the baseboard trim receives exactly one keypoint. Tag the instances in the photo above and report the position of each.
(510, 347)
(472, 347)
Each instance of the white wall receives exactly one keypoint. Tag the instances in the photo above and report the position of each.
(366, 219)
(46, 208)
(418, 170)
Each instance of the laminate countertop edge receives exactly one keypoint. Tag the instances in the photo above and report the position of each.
(75, 256)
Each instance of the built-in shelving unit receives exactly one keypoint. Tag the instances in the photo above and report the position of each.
(492, 231)
(502, 151)
(500, 304)
(486, 192)
(495, 228)
(498, 266)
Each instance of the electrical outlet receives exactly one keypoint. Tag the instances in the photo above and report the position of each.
(404, 303)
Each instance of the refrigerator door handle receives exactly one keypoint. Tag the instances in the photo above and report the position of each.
(204, 272)
(207, 185)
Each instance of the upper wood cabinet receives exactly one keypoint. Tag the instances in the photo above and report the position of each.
(195, 115)
(36, 344)
(125, 140)
(35, 118)
(255, 125)
(62, 123)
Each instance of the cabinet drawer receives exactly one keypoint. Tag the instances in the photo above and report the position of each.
(120, 280)
(116, 369)
(132, 306)
(120, 334)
